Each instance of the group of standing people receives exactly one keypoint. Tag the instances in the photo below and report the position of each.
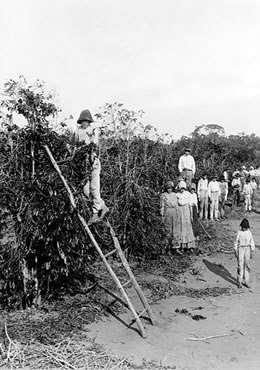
(244, 185)
(178, 211)
(179, 206)
(184, 204)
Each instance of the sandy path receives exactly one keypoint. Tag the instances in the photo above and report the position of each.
(237, 315)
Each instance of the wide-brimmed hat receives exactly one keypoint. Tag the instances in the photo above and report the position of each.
(187, 150)
(85, 115)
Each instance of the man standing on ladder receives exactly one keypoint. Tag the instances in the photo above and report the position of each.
(88, 133)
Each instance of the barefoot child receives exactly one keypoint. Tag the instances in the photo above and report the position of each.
(244, 245)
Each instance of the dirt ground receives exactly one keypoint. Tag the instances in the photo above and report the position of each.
(232, 320)
(193, 297)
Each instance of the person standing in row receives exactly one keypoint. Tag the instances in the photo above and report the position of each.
(203, 196)
(244, 246)
(243, 176)
(248, 192)
(223, 196)
(225, 175)
(253, 184)
(236, 189)
(214, 193)
(187, 240)
(187, 166)
(170, 215)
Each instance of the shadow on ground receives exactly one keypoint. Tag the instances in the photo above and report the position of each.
(220, 271)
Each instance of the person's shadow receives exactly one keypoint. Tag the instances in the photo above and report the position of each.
(220, 271)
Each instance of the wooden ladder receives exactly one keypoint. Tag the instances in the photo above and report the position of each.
(117, 250)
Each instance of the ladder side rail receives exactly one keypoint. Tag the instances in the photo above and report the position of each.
(130, 274)
(113, 275)
(57, 168)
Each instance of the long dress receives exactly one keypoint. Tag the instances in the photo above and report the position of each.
(171, 217)
(187, 238)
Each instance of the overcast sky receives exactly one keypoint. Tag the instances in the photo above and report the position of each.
(184, 62)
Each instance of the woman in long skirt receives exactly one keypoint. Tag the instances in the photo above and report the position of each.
(187, 238)
(170, 215)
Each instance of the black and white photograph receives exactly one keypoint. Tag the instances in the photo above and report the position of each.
(130, 184)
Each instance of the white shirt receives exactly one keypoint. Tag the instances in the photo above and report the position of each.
(225, 174)
(214, 187)
(187, 162)
(247, 190)
(244, 239)
(224, 189)
(252, 173)
(203, 185)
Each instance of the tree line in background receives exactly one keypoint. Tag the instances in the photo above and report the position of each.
(49, 251)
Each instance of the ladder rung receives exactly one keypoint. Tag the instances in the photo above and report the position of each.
(110, 253)
(140, 314)
(127, 282)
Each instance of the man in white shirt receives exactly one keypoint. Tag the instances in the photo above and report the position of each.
(203, 196)
(214, 194)
(187, 166)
